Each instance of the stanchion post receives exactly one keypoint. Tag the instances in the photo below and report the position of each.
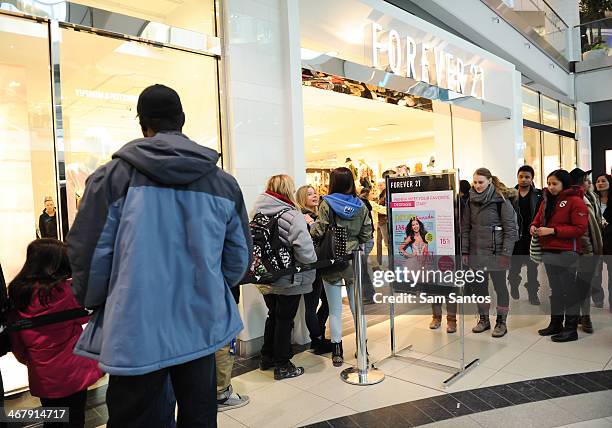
(362, 374)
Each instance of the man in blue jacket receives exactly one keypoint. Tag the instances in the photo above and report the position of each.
(160, 237)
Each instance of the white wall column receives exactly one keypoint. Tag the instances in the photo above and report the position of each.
(262, 62)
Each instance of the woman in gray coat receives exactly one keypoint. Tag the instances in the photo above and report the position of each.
(283, 296)
(489, 230)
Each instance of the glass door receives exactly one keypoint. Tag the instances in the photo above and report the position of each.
(27, 154)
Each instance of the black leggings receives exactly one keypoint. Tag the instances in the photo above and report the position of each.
(315, 320)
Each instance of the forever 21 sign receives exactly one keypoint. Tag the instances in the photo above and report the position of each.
(427, 63)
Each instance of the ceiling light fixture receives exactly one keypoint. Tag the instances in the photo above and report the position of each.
(373, 129)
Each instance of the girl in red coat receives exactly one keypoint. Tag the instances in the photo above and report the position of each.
(560, 223)
(56, 375)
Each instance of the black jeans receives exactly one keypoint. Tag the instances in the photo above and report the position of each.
(133, 401)
(316, 319)
(564, 289)
(277, 334)
(514, 274)
(76, 404)
(501, 291)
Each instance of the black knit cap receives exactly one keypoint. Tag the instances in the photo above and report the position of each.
(159, 102)
(578, 175)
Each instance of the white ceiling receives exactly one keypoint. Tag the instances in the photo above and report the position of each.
(335, 122)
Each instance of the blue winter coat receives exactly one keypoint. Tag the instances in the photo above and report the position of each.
(160, 237)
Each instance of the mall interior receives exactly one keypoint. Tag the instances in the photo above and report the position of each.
(302, 87)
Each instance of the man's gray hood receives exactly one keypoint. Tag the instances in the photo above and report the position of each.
(169, 158)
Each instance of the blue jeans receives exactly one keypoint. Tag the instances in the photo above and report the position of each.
(333, 290)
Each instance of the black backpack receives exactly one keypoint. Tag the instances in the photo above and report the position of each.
(270, 255)
(332, 246)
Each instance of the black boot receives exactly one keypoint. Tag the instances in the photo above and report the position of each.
(533, 298)
(337, 354)
(321, 346)
(554, 327)
(586, 324)
(569, 332)
(514, 291)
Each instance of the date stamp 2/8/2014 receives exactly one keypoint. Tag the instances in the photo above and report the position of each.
(39, 414)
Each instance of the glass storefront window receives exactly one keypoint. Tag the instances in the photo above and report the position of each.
(568, 118)
(568, 153)
(100, 94)
(27, 160)
(552, 159)
(550, 112)
(533, 152)
(531, 105)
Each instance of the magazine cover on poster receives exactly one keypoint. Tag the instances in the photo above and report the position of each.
(423, 228)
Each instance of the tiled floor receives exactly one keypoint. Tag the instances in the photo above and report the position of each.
(320, 394)
(549, 402)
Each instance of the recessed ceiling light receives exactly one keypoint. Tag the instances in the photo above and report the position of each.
(373, 129)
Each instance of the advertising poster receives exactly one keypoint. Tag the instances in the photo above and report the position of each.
(423, 229)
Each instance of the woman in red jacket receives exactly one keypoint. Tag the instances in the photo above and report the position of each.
(56, 375)
(560, 223)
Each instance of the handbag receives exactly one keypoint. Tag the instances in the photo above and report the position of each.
(332, 246)
(535, 249)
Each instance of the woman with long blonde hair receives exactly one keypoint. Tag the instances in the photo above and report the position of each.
(283, 296)
(308, 200)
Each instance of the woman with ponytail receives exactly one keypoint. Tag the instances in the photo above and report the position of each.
(489, 230)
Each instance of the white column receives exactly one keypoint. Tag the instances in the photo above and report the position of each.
(262, 62)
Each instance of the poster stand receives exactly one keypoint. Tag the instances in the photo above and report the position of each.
(433, 196)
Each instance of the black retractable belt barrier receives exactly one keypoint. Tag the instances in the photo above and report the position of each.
(41, 320)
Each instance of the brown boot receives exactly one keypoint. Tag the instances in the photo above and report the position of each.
(435, 323)
(451, 323)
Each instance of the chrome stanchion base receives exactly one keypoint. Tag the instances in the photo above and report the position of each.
(370, 376)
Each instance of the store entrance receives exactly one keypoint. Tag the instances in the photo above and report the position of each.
(371, 130)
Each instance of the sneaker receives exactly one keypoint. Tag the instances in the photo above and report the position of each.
(288, 371)
(231, 400)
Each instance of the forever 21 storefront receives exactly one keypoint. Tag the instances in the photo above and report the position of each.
(70, 75)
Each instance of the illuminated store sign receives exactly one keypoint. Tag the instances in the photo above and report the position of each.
(404, 56)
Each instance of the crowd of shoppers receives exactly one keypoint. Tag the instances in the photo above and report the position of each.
(165, 314)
